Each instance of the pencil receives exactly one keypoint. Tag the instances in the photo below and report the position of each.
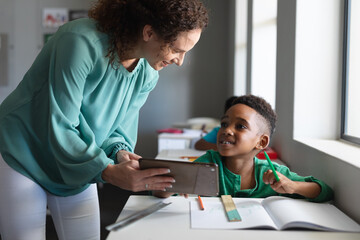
(201, 203)
(183, 157)
(190, 158)
(272, 166)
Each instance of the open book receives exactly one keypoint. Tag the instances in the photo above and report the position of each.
(278, 213)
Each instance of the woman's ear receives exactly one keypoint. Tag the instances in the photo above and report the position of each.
(148, 33)
(263, 142)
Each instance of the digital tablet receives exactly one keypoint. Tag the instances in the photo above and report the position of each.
(190, 177)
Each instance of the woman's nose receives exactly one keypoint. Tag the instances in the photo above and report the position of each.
(180, 59)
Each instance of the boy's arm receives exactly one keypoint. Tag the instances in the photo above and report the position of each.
(202, 144)
(208, 142)
(285, 185)
(308, 187)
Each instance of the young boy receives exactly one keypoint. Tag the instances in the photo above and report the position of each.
(208, 142)
(246, 129)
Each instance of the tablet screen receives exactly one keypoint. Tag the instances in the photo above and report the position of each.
(190, 177)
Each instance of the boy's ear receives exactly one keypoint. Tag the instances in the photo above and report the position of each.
(147, 33)
(263, 142)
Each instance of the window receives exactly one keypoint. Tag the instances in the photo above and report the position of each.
(263, 52)
(255, 57)
(350, 121)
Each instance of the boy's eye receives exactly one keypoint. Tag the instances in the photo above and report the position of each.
(240, 126)
(223, 125)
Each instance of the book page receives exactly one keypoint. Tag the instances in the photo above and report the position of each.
(291, 213)
(214, 216)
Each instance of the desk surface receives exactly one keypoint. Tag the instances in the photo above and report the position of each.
(178, 154)
(175, 154)
(173, 222)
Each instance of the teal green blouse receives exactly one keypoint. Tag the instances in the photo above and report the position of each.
(73, 111)
(229, 183)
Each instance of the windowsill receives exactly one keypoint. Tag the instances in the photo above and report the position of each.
(341, 150)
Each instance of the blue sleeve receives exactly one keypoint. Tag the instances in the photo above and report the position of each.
(211, 136)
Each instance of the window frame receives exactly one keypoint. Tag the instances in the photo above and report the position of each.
(345, 75)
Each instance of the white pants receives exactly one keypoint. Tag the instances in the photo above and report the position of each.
(23, 205)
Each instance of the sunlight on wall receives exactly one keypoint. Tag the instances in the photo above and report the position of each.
(263, 66)
(263, 49)
(240, 47)
(318, 69)
(353, 117)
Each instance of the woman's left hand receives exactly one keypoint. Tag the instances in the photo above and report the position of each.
(123, 156)
(127, 174)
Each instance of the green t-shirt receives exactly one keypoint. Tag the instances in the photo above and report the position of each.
(229, 182)
(72, 111)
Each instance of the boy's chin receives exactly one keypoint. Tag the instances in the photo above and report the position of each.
(230, 154)
(224, 153)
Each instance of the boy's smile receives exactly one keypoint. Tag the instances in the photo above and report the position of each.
(240, 132)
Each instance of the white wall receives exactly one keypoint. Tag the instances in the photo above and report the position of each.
(318, 68)
(263, 52)
(295, 65)
(21, 20)
(6, 28)
(353, 126)
(241, 46)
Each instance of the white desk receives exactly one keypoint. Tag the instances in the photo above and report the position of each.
(179, 154)
(173, 222)
(183, 140)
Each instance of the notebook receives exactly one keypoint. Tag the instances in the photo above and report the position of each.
(276, 212)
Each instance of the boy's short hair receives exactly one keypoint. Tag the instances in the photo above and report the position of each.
(262, 107)
(228, 102)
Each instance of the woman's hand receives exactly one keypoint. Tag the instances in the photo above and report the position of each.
(127, 174)
(123, 155)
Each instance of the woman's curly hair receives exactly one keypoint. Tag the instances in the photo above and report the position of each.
(123, 21)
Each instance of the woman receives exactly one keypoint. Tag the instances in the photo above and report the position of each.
(73, 119)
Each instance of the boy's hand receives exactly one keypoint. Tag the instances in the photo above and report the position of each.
(285, 185)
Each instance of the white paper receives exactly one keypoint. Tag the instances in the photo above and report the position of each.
(288, 212)
(273, 212)
(252, 213)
